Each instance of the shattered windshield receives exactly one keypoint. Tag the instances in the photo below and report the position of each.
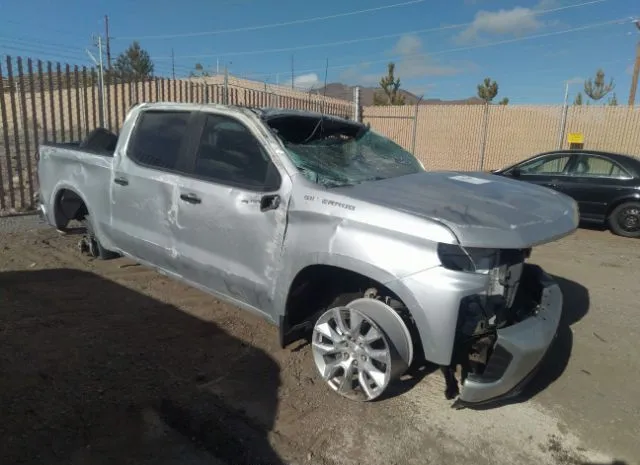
(336, 153)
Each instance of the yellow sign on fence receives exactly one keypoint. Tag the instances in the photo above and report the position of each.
(575, 138)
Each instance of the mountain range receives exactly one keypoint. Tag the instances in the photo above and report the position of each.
(342, 91)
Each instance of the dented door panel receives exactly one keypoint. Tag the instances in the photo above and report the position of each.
(231, 222)
(227, 244)
(143, 213)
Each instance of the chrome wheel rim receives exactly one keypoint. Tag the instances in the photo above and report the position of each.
(352, 354)
(629, 219)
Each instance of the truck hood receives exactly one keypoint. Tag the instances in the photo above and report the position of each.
(481, 209)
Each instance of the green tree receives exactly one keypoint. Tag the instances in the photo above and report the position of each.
(578, 99)
(133, 63)
(390, 85)
(504, 101)
(488, 90)
(596, 88)
(613, 101)
(199, 71)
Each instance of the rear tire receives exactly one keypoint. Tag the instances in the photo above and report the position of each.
(95, 248)
(624, 220)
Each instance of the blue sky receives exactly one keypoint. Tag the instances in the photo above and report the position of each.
(441, 49)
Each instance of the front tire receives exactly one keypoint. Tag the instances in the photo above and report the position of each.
(361, 347)
(624, 220)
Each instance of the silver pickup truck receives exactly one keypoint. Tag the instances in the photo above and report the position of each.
(331, 232)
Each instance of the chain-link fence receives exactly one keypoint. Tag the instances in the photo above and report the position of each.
(484, 137)
(60, 103)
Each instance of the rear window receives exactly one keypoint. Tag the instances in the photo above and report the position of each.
(157, 138)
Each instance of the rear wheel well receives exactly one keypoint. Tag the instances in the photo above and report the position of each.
(316, 287)
(68, 206)
(617, 203)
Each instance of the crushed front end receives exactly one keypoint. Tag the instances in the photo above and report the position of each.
(503, 332)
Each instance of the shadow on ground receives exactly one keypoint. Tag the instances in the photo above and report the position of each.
(575, 306)
(590, 226)
(95, 373)
(615, 462)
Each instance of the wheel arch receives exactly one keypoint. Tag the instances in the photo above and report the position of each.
(68, 204)
(616, 203)
(307, 295)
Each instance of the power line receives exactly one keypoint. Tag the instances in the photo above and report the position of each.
(43, 25)
(371, 38)
(272, 25)
(44, 55)
(472, 47)
(40, 43)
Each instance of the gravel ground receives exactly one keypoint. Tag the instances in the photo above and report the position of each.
(109, 362)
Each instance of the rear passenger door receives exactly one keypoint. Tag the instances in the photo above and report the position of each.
(143, 188)
(595, 182)
(232, 212)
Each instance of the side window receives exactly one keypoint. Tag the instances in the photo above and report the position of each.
(598, 167)
(554, 164)
(157, 138)
(229, 153)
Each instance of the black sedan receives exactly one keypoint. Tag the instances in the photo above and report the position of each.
(605, 185)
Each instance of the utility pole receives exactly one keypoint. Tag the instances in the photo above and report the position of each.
(108, 40)
(173, 64)
(100, 66)
(636, 71)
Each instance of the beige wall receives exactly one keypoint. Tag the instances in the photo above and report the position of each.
(452, 136)
(446, 137)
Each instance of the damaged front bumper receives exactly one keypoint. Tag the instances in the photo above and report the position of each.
(519, 349)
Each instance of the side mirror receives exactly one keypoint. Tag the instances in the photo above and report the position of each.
(515, 172)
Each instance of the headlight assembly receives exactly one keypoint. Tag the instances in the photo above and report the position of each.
(469, 259)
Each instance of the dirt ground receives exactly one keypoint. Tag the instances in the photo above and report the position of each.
(109, 362)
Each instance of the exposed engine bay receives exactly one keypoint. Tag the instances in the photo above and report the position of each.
(512, 295)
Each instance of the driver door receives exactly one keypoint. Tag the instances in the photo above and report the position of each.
(232, 212)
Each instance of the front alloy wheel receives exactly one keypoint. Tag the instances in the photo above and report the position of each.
(354, 355)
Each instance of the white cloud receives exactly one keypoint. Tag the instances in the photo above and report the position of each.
(414, 62)
(358, 74)
(517, 21)
(305, 81)
(411, 62)
(547, 4)
(575, 80)
(408, 44)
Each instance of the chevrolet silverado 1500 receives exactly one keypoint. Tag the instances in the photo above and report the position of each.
(328, 230)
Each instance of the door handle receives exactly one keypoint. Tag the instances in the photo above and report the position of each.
(121, 181)
(191, 198)
(269, 202)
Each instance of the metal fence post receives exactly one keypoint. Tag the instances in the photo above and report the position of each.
(356, 104)
(226, 85)
(563, 125)
(415, 126)
(485, 131)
